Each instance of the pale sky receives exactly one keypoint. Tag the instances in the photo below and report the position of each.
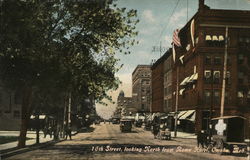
(158, 20)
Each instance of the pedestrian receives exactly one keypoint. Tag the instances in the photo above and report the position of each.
(201, 139)
(68, 132)
(156, 126)
(156, 129)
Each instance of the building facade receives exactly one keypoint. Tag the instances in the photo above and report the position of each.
(141, 88)
(206, 39)
(10, 109)
(167, 71)
(161, 84)
(124, 105)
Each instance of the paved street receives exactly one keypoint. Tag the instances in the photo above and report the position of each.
(107, 142)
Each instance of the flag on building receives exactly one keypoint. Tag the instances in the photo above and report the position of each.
(176, 39)
(173, 50)
(192, 31)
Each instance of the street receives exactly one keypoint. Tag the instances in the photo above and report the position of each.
(107, 142)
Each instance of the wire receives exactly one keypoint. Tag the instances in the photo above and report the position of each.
(169, 20)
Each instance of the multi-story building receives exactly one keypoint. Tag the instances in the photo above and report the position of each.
(205, 40)
(167, 71)
(124, 105)
(141, 88)
(161, 84)
(10, 109)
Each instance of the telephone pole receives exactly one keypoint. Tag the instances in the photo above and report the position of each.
(159, 49)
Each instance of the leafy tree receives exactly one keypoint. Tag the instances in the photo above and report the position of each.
(66, 45)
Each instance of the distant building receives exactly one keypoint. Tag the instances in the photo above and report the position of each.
(124, 105)
(141, 88)
(10, 109)
(199, 66)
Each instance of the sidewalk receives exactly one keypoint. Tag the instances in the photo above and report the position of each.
(30, 134)
(9, 149)
(184, 135)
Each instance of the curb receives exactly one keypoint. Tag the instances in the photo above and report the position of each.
(14, 151)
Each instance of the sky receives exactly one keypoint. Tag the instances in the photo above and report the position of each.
(158, 20)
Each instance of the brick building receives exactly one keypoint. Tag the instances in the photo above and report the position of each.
(200, 62)
(161, 84)
(141, 88)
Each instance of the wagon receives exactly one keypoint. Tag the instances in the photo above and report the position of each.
(228, 134)
(125, 125)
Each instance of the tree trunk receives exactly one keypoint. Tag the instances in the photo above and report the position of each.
(37, 129)
(25, 116)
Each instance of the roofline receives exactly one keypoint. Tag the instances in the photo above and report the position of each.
(162, 58)
(141, 65)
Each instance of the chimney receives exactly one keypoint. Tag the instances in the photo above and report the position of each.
(201, 5)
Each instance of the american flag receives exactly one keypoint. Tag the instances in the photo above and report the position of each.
(176, 39)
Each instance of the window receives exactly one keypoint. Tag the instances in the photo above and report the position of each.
(18, 97)
(228, 78)
(16, 114)
(248, 94)
(240, 59)
(227, 99)
(216, 97)
(207, 96)
(207, 76)
(216, 76)
(208, 60)
(217, 60)
(142, 106)
(240, 77)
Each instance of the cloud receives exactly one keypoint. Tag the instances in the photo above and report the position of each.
(176, 18)
(148, 16)
(167, 40)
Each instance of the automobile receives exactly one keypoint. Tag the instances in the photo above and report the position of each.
(228, 133)
(126, 125)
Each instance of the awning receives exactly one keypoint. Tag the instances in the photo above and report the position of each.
(181, 113)
(184, 82)
(181, 91)
(181, 58)
(40, 116)
(188, 114)
(208, 38)
(221, 38)
(192, 78)
(215, 38)
(192, 118)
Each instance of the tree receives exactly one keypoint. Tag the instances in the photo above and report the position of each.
(66, 45)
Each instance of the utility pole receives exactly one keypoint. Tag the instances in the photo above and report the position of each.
(176, 101)
(159, 49)
(224, 74)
